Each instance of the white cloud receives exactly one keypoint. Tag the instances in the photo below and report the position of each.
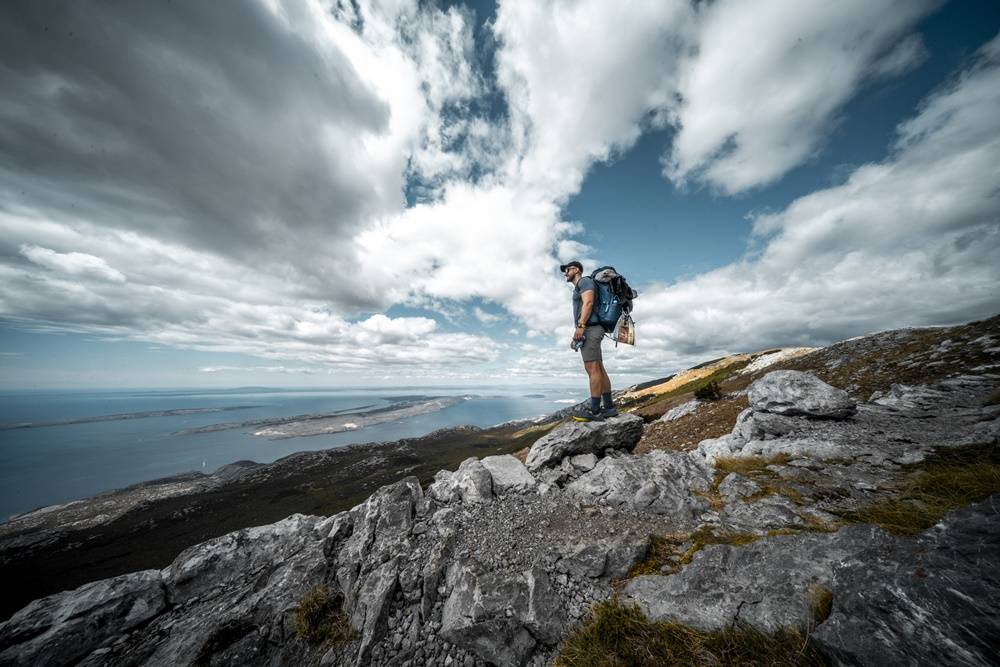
(762, 90)
(284, 246)
(484, 317)
(72, 263)
(580, 77)
(914, 238)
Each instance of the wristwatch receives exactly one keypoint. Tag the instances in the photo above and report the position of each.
(581, 326)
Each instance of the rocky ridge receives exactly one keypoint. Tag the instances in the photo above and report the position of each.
(496, 562)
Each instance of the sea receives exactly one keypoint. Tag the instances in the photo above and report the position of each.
(57, 447)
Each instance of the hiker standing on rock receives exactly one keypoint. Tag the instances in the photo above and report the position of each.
(587, 337)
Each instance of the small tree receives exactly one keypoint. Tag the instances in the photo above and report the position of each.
(708, 392)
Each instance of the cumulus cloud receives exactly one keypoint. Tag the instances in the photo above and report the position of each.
(269, 178)
(763, 87)
(72, 263)
(914, 238)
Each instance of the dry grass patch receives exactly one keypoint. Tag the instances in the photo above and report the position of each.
(710, 420)
(319, 619)
(748, 465)
(665, 551)
(617, 635)
(948, 479)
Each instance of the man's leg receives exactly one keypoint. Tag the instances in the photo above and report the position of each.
(607, 404)
(597, 376)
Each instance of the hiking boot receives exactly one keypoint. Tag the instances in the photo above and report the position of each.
(585, 415)
(607, 413)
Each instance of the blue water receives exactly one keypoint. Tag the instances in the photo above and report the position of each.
(45, 465)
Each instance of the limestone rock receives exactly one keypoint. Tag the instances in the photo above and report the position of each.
(63, 628)
(733, 487)
(583, 462)
(764, 584)
(659, 482)
(509, 474)
(608, 556)
(371, 606)
(682, 410)
(794, 393)
(929, 600)
(499, 617)
(621, 432)
(474, 481)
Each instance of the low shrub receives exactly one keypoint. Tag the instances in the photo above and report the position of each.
(319, 618)
(710, 391)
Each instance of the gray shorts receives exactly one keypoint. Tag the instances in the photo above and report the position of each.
(592, 337)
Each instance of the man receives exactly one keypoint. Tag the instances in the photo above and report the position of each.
(587, 337)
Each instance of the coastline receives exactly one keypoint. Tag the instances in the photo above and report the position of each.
(146, 525)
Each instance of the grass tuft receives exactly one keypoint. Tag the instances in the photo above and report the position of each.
(745, 465)
(664, 550)
(617, 635)
(949, 478)
(319, 619)
(821, 600)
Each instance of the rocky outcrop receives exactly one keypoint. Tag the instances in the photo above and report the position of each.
(621, 432)
(497, 561)
(509, 475)
(768, 585)
(794, 393)
(63, 628)
(659, 483)
(927, 600)
(782, 406)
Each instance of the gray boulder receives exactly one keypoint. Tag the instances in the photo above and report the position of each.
(474, 481)
(471, 483)
(607, 557)
(621, 432)
(65, 627)
(682, 410)
(659, 482)
(509, 474)
(766, 584)
(793, 393)
(925, 601)
(500, 617)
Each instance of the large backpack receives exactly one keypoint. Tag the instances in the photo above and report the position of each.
(612, 299)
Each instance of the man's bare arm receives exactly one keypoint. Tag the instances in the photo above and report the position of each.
(587, 306)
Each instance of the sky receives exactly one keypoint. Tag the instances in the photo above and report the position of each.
(321, 194)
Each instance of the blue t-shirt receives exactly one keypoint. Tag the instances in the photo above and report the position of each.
(586, 283)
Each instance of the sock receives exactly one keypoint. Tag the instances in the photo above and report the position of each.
(595, 403)
(608, 403)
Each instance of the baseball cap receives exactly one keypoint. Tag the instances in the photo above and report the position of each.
(575, 263)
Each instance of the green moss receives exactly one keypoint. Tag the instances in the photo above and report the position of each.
(948, 479)
(319, 619)
(992, 399)
(616, 635)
